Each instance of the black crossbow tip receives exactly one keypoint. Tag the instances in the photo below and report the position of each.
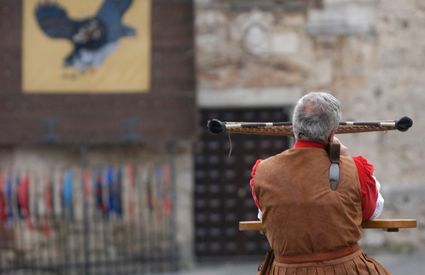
(216, 126)
(404, 124)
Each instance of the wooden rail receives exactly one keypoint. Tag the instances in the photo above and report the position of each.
(390, 225)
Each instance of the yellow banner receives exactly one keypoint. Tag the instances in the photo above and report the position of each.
(80, 46)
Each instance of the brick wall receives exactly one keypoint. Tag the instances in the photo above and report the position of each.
(164, 113)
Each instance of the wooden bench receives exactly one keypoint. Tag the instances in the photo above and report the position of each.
(389, 225)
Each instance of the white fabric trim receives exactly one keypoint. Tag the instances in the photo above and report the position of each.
(379, 201)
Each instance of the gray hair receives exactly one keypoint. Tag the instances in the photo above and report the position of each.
(315, 116)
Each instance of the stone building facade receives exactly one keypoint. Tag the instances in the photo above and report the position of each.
(368, 53)
(256, 54)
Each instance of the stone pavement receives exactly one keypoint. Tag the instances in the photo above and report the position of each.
(412, 263)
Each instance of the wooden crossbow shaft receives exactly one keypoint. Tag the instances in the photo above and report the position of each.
(216, 126)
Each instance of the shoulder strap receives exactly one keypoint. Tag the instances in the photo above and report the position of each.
(334, 151)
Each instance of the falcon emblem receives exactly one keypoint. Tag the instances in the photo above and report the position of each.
(93, 38)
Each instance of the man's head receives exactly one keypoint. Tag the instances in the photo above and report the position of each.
(316, 116)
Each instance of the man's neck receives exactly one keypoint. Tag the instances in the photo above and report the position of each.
(308, 144)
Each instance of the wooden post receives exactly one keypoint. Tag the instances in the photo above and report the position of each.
(389, 225)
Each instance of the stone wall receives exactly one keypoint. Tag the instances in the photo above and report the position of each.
(369, 53)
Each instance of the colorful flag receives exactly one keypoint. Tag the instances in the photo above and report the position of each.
(158, 181)
(130, 192)
(68, 195)
(17, 207)
(118, 193)
(48, 196)
(150, 191)
(48, 202)
(3, 213)
(89, 189)
(166, 187)
(109, 182)
(23, 199)
(34, 199)
(10, 208)
(115, 191)
(86, 183)
(100, 204)
(57, 201)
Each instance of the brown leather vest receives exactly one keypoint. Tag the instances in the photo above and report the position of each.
(301, 214)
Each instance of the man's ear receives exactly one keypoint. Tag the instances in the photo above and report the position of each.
(331, 136)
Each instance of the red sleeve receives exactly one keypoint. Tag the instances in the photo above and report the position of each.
(368, 186)
(251, 183)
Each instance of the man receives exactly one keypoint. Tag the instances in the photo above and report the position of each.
(313, 226)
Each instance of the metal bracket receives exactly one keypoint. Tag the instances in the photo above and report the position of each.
(50, 125)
